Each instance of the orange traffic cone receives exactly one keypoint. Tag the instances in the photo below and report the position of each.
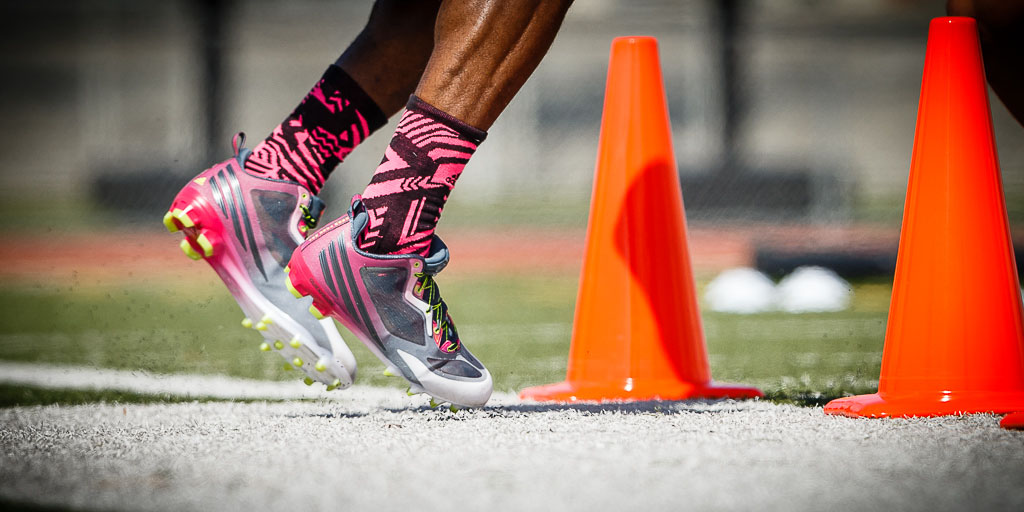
(637, 333)
(1013, 421)
(955, 338)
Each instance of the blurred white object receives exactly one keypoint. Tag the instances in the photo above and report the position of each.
(813, 289)
(740, 290)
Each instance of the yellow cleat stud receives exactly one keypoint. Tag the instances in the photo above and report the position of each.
(316, 313)
(453, 409)
(331, 387)
(267, 320)
(183, 218)
(388, 373)
(287, 269)
(247, 323)
(297, 361)
(169, 223)
(308, 381)
(434, 403)
(265, 347)
(335, 384)
(321, 365)
(287, 367)
(205, 244)
(295, 343)
(189, 251)
(291, 288)
(278, 345)
(260, 326)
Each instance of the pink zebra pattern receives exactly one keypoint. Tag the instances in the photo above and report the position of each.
(330, 122)
(411, 185)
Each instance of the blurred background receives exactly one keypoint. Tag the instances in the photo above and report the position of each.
(793, 123)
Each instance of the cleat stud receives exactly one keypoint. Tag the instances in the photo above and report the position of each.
(303, 229)
(264, 347)
(169, 223)
(291, 287)
(321, 365)
(287, 269)
(183, 218)
(308, 380)
(335, 384)
(316, 313)
(247, 323)
(189, 251)
(287, 367)
(453, 409)
(278, 345)
(260, 326)
(297, 361)
(387, 373)
(267, 320)
(331, 387)
(205, 245)
(434, 403)
(295, 343)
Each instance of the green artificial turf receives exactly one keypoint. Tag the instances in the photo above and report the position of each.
(520, 326)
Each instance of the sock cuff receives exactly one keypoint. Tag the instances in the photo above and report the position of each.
(351, 90)
(475, 135)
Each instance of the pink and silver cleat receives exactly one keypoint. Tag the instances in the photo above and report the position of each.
(246, 227)
(393, 305)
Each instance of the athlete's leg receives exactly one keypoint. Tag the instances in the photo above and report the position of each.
(374, 269)
(484, 50)
(1001, 29)
(246, 215)
(366, 85)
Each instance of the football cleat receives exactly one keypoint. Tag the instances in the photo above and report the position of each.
(246, 227)
(393, 305)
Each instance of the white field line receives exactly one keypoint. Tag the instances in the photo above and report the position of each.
(214, 386)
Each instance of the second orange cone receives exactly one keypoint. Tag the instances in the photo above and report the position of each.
(955, 339)
(637, 334)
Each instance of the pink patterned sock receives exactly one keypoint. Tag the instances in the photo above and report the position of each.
(330, 122)
(407, 192)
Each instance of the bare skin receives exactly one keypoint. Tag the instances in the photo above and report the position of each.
(468, 58)
(1001, 30)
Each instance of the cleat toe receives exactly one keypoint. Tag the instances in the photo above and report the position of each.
(189, 251)
(264, 347)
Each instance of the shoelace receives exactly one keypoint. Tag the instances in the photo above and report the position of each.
(427, 289)
(307, 217)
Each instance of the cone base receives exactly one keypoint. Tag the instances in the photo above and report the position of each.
(886, 405)
(569, 392)
(1013, 421)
